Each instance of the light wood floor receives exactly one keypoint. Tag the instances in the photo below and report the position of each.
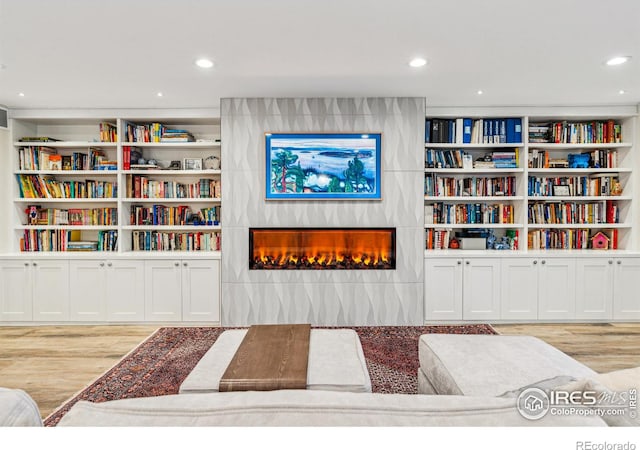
(53, 363)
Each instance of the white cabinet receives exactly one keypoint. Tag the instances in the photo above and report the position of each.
(443, 289)
(34, 290)
(15, 291)
(519, 281)
(187, 290)
(481, 289)
(594, 288)
(626, 300)
(107, 290)
(201, 290)
(556, 288)
(163, 291)
(50, 290)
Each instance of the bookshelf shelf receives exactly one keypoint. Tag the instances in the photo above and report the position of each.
(472, 146)
(472, 199)
(579, 225)
(474, 225)
(75, 160)
(474, 172)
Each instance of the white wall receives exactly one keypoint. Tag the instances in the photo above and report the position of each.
(6, 180)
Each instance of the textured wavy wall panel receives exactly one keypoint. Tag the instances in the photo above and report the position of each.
(322, 297)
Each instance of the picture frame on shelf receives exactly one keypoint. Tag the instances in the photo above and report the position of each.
(192, 164)
(314, 166)
(561, 190)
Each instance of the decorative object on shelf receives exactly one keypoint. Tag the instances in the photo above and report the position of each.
(561, 190)
(32, 212)
(141, 161)
(192, 164)
(617, 188)
(453, 243)
(323, 166)
(212, 163)
(599, 241)
(175, 165)
(578, 161)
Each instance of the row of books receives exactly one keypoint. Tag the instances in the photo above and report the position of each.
(161, 215)
(459, 159)
(46, 158)
(108, 132)
(66, 240)
(165, 241)
(566, 239)
(435, 185)
(37, 186)
(175, 135)
(594, 132)
(473, 131)
(438, 239)
(599, 158)
(468, 213)
(74, 216)
(140, 186)
(594, 185)
(150, 132)
(573, 213)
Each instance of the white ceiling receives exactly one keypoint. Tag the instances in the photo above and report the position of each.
(120, 53)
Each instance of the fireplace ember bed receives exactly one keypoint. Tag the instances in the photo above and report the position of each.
(322, 248)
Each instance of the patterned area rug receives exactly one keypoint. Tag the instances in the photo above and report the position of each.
(160, 364)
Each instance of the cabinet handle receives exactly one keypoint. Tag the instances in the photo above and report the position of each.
(543, 262)
(618, 262)
(184, 264)
(109, 264)
(467, 263)
(101, 264)
(26, 264)
(459, 262)
(35, 264)
(535, 262)
(610, 262)
(176, 264)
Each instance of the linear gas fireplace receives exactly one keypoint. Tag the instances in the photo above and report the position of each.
(322, 248)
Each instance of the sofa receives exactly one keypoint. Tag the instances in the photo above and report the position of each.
(463, 381)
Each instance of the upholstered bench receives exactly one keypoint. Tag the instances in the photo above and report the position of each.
(336, 362)
(489, 365)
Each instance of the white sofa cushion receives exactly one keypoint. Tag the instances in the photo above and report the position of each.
(308, 408)
(17, 409)
(490, 365)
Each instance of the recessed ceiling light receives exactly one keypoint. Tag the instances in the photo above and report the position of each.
(618, 60)
(159, 94)
(204, 63)
(480, 92)
(21, 94)
(2, 66)
(417, 62)
(622, 91)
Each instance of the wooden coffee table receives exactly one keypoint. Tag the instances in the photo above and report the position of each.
(270, 357)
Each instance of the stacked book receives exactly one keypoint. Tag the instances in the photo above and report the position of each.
(504, 160)
(174, 135)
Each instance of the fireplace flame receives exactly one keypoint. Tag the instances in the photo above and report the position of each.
(323, 249)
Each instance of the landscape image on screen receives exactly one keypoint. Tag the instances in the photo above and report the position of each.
(332, 165)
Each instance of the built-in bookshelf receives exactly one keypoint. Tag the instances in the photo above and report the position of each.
(474, 185)
(528, 183)
(117, 185)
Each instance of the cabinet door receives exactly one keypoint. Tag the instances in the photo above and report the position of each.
(15, 291)
(125, 291)
(481, 289)
(50, 290)
(87, 290)
(201, 290)
(443, 289)
(519, 282)
(556, 288)
(594, 286)
(626, 301)
(162, 291)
